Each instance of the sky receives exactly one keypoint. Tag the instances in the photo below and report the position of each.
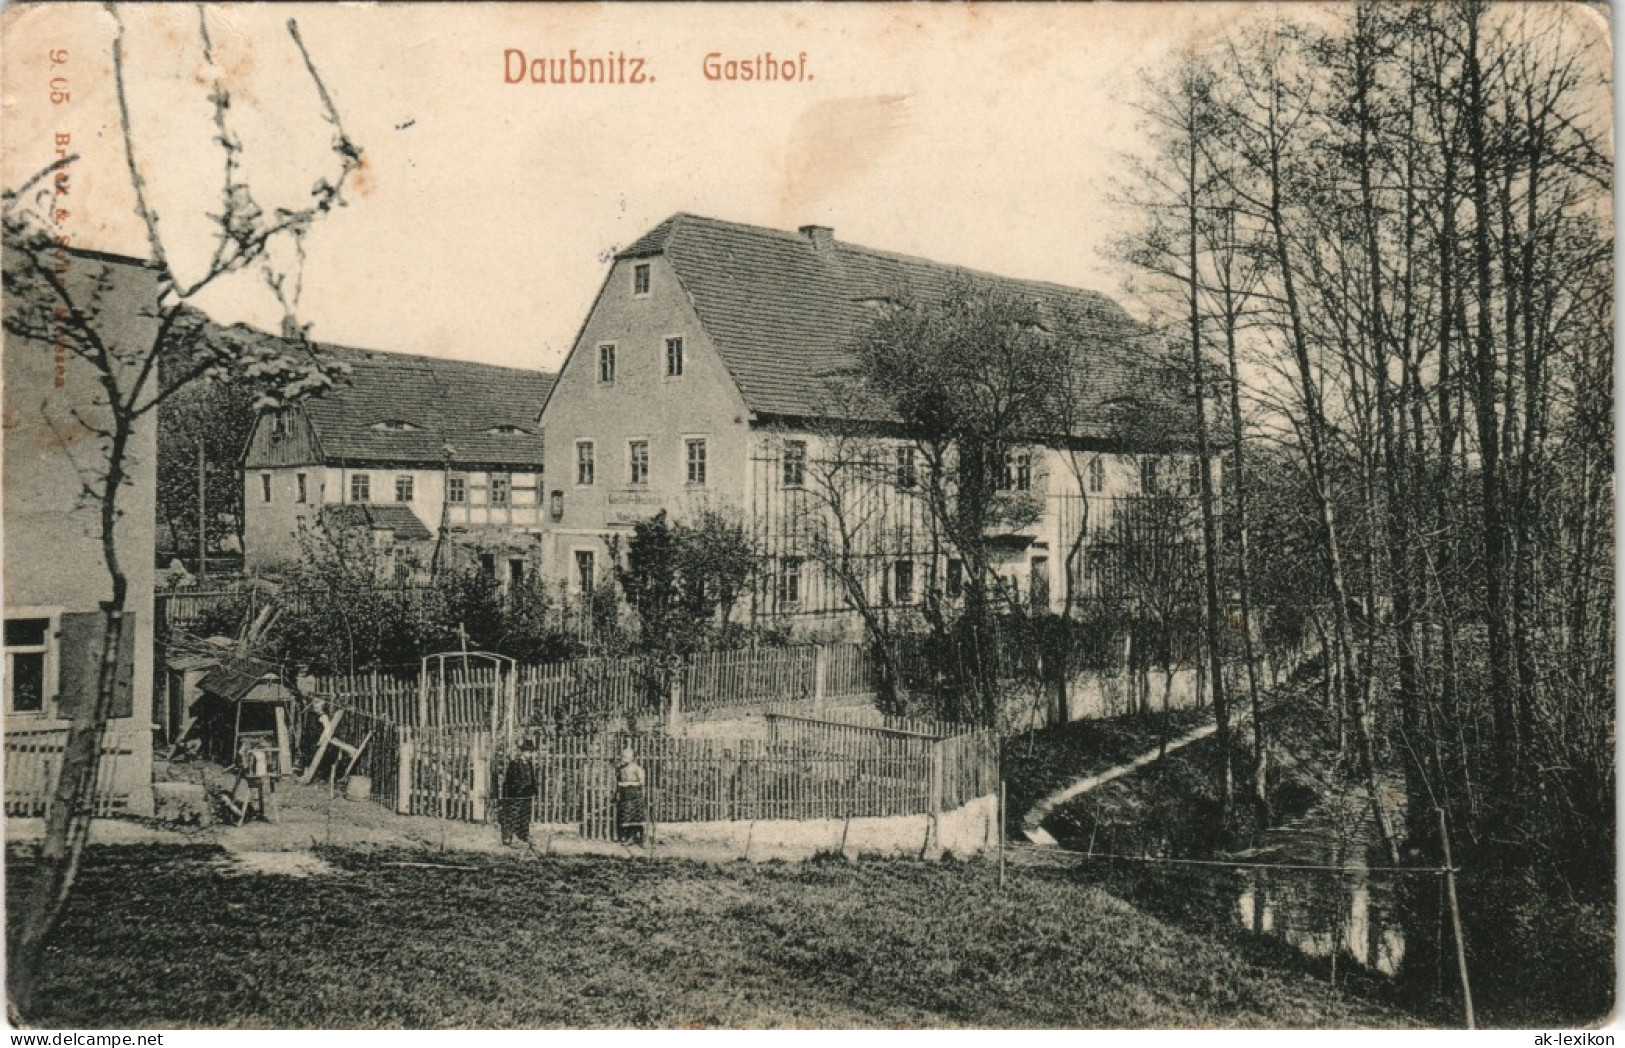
(482, 222)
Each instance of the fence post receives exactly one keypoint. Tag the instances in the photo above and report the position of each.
(936, 779)
(820, 677)
(1003, 801)
(1455, 921)
(403, 786)
(512, 697)
(423, 698)
(674, 713)
(480, 772)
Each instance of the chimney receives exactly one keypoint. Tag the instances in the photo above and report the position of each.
(822, 237)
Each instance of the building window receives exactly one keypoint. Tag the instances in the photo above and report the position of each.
(586, 571)
(1018, 471)
(403, 488)
(606, 363)
(516, 573)
(360, 487)
(902, 575)
(637, 465)
(907, 476)
(501, 486)
(640, 279)
(1038, 583)
(265, 487)
(1097, 474)
(789, 585)
(1150, 474)
(279, 424)
(28, 651)
(488, 565)
(696, 461)
(304, 488)
(955, 586)
(795, 463)
(584, 463)
(456, 489)
(674, 357)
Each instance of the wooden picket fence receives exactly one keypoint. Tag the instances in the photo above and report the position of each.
(582, 694)
(578, 692)
(183, 608)
(715, 679)
(33, 762)
(806, 769)
(848, 670)
(967, 767)
(438, 746)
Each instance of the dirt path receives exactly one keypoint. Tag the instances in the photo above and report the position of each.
(310, 817)
(1032, 824)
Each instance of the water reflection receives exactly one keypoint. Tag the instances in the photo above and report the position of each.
(1322, 913)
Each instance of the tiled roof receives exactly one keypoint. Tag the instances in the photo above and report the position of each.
(784, 312)
(400, 407)
(381, 517)
(445, 402)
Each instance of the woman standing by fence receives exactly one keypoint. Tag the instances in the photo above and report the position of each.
(630, 809)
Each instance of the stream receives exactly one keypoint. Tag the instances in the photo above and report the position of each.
(1315, 912)
(1347, 913)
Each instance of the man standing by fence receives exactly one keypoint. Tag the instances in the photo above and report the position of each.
(630, 809)
(518, 794)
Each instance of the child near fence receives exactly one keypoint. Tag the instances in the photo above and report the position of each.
(518, 794)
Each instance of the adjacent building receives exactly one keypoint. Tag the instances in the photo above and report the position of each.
(55, 575)
(706, 376)
(436, 462)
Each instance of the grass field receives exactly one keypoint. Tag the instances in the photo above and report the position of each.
(1041, 762)
(174, 936)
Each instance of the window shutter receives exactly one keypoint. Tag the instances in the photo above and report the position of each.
(79, 662)
(77, 659)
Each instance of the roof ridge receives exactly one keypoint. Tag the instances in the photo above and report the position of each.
(898, 256)
(391, 355)
(678, 218)
(430, 362)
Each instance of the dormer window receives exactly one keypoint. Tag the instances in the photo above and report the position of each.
(394, 425)
(507, 430)
(640, 279)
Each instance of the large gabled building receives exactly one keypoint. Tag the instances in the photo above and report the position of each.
(437, 460)
(702, 377)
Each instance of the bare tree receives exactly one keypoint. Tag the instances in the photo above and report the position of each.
(970, 374)
(1420, 193)
(46, 303)
(851, 515)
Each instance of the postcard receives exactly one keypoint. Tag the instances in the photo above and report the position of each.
(852, 516)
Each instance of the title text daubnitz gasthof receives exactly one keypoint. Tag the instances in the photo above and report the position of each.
(572, 67)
